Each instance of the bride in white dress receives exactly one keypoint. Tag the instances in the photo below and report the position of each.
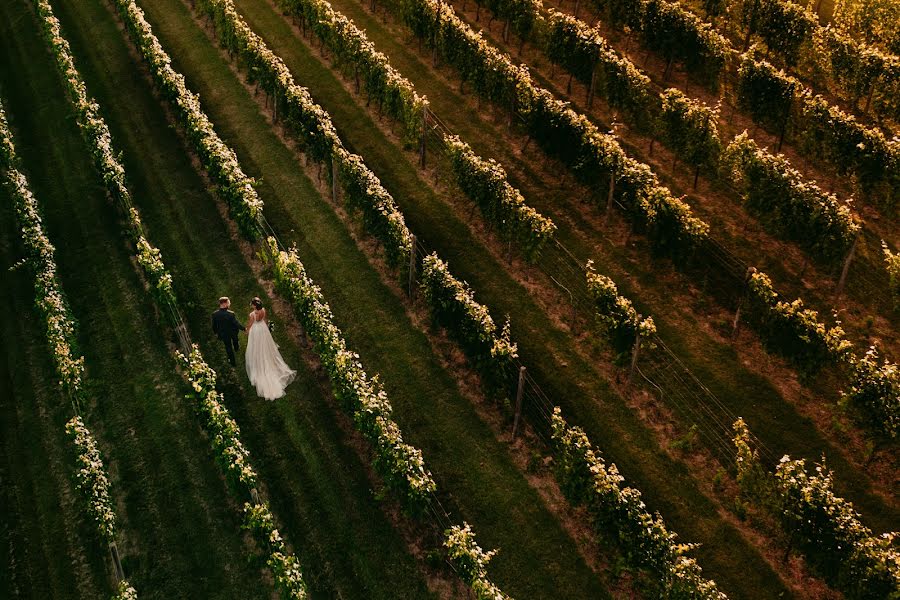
(265, 367)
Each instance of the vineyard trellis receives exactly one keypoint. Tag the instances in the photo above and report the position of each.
(90, 475)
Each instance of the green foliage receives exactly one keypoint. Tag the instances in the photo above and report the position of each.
(582, 50)
(765, 92)
(594, 157)
(394, 94)
(861, 70)
(400, 465)
(381, 216)
(484, 181)
(875, 392)
(892, 264)
(96, 135)
(618, 512)
(223, 430)
(794, 207)
(125, 592)
(91, 479)
(838, 139)
(822, 525)
(827, 529)
(260, 522)
(502, 205)
(470, 562)
(793, 331)
(49, 299)
(872, 20)
(616, 315)
(785, 27)
(453, 306)
(218, 159)
(754, 482)
(522, 15)
(678, 34)
(688, 128)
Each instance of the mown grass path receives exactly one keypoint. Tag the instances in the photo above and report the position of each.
(344, 540)
(48, 550)
(746, 388)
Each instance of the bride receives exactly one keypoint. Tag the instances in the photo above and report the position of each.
(265, 367)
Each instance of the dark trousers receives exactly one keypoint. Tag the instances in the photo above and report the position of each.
(231, 346)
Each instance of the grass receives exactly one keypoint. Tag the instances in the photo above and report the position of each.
(48, 551)
(667, 484)
(344, 540)
(180, 535)
(462, 452)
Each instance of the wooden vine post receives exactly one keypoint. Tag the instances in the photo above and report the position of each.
(846, 269)
(590, 99)
(254, 496)
(422, 142)
(117, 563)
(737, 313)
(635, 351)
(520, 392)
(609, 197)
(412, 266)
(334, 179)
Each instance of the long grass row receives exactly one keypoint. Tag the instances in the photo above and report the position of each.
(90, 475)
(223, 431)
(401, 465)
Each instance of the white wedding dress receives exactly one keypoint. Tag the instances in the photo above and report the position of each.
(266, 369)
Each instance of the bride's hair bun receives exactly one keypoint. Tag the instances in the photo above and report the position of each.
(257, 303)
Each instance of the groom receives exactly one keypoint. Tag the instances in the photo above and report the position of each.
(226, 326)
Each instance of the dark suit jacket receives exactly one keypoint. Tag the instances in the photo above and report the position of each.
(225, 324)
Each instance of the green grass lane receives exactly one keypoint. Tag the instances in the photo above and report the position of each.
(746, 389)
(345, 542)
(180, 536)
(538, 558)
(49, 550)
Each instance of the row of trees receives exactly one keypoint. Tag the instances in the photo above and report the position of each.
(789, 204)
(822, 525)
(483, 181)
(453, 306)
(829, 54)
(619, 514)
(234, 460)
(787, 328)
(795, 332)
(595, 157)
(400, 465)
(90, 474)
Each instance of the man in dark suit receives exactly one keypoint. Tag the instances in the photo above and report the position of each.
(226, 326)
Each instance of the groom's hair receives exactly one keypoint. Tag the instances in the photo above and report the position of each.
(224, 300)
